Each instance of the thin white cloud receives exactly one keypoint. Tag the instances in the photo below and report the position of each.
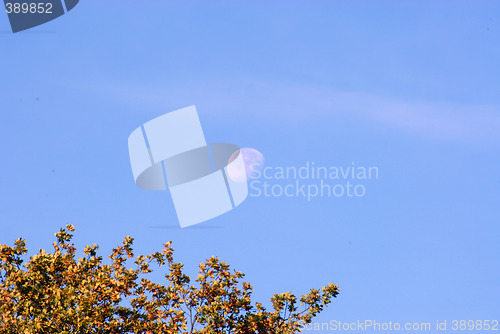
(287, 103)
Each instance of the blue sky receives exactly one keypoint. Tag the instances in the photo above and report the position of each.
(410, 87)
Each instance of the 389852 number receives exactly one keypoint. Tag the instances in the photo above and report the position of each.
(471, 325)
(32, 8)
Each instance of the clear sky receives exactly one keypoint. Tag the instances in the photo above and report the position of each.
(409, 87)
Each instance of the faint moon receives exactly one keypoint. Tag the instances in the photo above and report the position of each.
(250, 168)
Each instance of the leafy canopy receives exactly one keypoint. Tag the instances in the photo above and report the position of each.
(59, 293)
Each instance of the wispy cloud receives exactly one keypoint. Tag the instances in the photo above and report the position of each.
(292, 103)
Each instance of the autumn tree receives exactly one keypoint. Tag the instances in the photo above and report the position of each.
(59, 293)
